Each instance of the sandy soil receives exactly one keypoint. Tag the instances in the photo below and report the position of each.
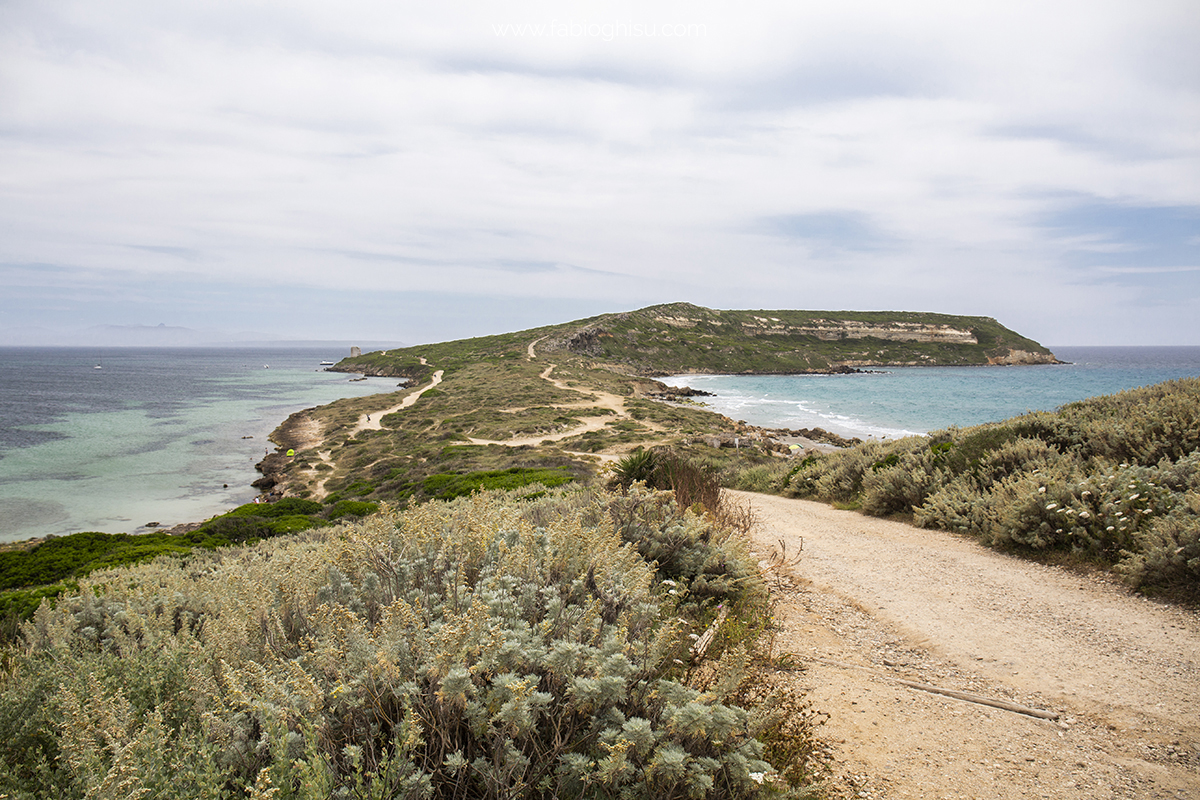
(867, 602)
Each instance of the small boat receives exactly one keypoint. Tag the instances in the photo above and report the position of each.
(326, 363)
(97, 367)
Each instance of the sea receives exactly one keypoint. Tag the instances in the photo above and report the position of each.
(889, 403)
(114, 439)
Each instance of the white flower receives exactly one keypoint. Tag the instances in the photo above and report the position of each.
(1110, 528)
(757, 777)
(669, 582)
(1084, 514)
(1135, 496)
(1051, 506)
(1041, 490)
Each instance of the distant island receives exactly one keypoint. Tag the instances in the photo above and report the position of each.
(678, 338)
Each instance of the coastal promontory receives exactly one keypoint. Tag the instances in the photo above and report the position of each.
(557, 402)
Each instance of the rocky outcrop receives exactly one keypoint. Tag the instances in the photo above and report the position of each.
(675, 393)
(412, 375)
(1022, 357)
(587, 341)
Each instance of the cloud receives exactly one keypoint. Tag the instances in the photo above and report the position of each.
(1140, 238)
(947, 156)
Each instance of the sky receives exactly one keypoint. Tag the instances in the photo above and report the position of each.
(419, 172)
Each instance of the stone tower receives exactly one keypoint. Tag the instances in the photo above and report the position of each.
(355, 352)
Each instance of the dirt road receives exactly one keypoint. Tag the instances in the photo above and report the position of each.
(865, 602)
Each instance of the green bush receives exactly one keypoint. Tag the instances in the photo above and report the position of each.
(352, 508)
(286, 507)
(78, 554)
(1168, 553)
(447, 486)
(640, 465)
(762, 478)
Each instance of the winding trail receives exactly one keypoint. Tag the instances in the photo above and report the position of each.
(372, 421)
(597, 399)
(866, 601)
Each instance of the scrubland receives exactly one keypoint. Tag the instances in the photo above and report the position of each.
(496, 646)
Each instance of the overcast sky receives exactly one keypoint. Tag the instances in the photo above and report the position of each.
(426, 171)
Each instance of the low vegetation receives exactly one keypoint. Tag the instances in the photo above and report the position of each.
(47, 569)
(1112, 481)
(530, 645)
(680, 337)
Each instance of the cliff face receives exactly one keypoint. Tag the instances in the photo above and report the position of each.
(836, 330)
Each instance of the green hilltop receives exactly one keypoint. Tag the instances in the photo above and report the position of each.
(680, 338)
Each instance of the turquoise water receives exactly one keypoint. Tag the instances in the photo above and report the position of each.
(897, 402)
(154, 435)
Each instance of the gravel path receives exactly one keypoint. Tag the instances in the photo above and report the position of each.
(866, 602)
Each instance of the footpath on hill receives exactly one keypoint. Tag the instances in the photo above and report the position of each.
(866, 603)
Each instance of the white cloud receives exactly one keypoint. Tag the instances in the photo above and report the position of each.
(400, 148)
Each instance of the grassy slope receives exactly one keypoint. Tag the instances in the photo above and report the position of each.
(490, 391)
(680, 337)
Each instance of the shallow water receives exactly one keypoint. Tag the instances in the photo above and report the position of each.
(154, 435)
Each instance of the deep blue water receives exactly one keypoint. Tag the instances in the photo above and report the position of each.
(154, 435)
(896, 402)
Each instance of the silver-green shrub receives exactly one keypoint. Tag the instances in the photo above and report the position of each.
(449, 650)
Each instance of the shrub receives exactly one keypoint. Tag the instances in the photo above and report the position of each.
(761, 478)
(901, 480)
(1168, 553)
(447, 486)
(352, 508)
(640, 465)
(450, 650)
